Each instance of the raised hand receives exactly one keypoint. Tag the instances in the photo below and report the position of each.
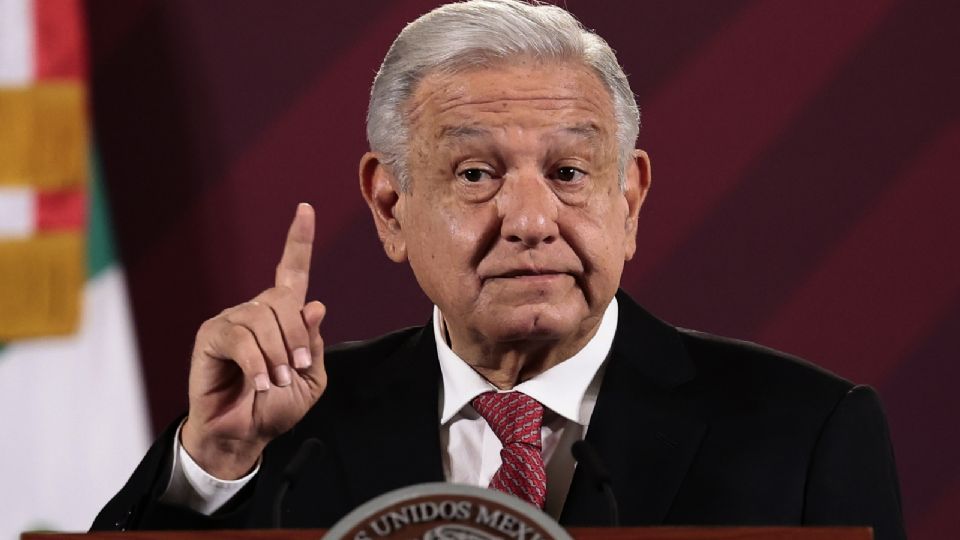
(257, 368)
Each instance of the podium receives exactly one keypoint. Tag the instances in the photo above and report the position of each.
(579, 533)
(445, 511)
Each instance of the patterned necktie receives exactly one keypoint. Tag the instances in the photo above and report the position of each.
(516, 418)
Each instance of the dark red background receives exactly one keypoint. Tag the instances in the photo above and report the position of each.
(805, 185)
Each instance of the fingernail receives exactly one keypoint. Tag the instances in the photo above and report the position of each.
(282, 373)
(261, 382)
(301, 358)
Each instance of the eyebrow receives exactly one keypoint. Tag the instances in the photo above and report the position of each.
(463, 132)
(587, 130)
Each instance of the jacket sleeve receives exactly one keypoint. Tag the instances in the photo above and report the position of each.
(137, 507)
(853, 478)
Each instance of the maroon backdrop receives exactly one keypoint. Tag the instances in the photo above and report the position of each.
(804, 156)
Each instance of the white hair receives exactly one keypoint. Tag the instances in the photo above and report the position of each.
(477, 33)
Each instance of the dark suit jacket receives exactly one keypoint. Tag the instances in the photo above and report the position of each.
(694, 429)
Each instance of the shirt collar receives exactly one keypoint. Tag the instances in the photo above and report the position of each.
(563, 389)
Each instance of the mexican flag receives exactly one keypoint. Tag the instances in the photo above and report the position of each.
(73, 416)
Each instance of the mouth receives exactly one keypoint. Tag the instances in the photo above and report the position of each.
(527, 275)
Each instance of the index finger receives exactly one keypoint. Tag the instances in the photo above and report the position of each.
(294, 268)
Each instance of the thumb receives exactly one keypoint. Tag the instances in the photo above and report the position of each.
(313, 314)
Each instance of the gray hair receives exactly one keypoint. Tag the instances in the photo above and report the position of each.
(476, 33)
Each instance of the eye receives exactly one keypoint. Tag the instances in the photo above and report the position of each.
(474, 175)
(568, 174)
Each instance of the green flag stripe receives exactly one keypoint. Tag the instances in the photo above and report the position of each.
(101, 253)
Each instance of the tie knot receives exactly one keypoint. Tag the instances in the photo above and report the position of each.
(514, 417)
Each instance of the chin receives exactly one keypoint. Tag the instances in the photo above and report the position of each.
(539, 323)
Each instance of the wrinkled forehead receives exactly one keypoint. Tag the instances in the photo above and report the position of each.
(525, 94)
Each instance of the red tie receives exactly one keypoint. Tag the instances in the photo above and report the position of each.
(516, 418)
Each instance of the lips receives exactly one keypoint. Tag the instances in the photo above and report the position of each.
(527, 273)
(520, 273)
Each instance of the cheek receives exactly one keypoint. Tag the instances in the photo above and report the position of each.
(455, 226)
(451, 237)
(597, 232)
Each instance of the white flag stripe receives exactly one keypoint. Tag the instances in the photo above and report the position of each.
(16, 43)
(74, 421)
(17, 209)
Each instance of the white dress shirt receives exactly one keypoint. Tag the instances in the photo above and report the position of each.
(567, 391)
(470, 448)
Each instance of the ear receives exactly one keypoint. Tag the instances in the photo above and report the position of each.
(637, 184)
(381, 190)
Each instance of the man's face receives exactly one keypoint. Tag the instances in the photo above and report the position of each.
(515, 224)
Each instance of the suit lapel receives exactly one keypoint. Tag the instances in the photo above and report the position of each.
(644, 428)
(392, 438)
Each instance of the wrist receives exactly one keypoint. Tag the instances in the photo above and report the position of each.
(221, 457)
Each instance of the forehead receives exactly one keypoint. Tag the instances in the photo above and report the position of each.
(521, 94)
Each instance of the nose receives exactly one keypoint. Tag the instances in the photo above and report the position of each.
(528, 210)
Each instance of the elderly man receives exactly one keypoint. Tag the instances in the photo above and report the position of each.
(503, 170)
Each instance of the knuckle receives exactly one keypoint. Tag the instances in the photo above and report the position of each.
(284, 292)
(257, 316)
(256, 307)
(238, 335)
(260, 316)
(206, 327)
(247, 353)
(210, 329)
(265, 295)
(275, 295)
